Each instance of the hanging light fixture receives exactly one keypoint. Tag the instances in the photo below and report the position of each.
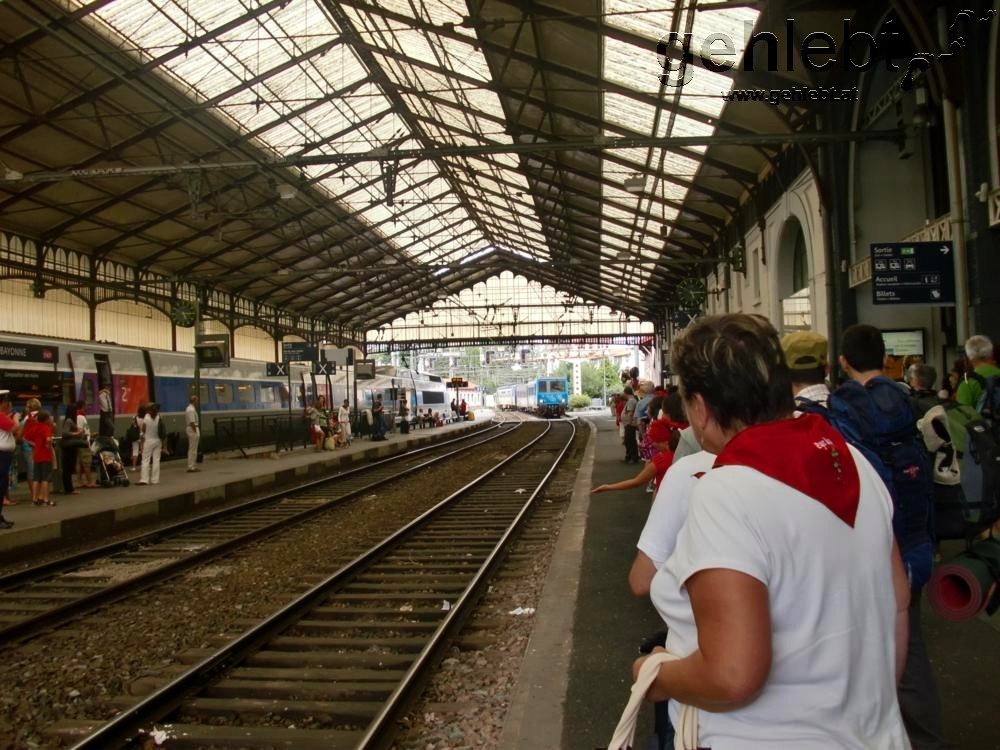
(635, 184)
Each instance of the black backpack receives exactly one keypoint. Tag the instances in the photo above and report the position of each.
(966, 508)
(988, 405)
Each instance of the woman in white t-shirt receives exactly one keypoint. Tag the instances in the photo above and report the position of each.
(84, 456)
(784, 596)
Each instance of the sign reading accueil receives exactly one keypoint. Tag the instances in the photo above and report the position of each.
(913, 273)
(297, 351)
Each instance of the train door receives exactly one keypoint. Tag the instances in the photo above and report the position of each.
(104, 375)
(86, 378)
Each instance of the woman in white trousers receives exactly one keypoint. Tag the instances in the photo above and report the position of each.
(151, 445)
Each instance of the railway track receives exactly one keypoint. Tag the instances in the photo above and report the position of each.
(47, 595)
(335, 668)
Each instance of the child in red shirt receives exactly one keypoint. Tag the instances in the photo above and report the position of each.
(39, 434)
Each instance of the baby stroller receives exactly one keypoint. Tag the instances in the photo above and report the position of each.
(109, 462)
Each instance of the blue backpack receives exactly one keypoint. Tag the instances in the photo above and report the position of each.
(878, 420)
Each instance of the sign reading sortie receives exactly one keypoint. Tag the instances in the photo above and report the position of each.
(18, 352)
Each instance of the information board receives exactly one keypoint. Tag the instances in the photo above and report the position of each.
(904, 343)
(913, 273)
(297, 351)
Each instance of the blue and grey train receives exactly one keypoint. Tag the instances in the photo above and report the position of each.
(238, 399)
(545, 397)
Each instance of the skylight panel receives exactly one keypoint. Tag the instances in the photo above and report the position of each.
(683, 126)
(630, 64)
(635, 16)
(733, 22)
(627, 112)
(413, 44)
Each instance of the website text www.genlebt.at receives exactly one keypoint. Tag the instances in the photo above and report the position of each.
(794, 94)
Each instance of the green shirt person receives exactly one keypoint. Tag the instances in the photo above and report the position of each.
(979, 350)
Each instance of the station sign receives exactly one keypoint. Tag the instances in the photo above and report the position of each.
(276, 369)
(913, 273)
(298, 351)
(15, 351)
(684, 318)
(458, 383)
(364, 369)
(323, 368)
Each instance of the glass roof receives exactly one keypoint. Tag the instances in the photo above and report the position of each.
(630, 64)
(400, 74)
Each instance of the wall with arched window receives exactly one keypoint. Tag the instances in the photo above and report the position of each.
(793, 278)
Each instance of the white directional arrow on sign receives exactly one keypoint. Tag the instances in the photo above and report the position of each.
(945, 249)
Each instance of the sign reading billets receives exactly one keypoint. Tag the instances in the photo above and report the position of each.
(913, 273)
(18, 352)
(298, 351)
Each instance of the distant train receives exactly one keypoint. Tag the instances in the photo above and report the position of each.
(546, 397)
(240, 400)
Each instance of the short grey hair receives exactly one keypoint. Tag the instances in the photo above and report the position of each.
(979, 348)
(925, 375)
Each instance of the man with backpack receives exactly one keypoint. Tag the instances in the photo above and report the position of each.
(979, 350)
(874, 414)
(921, 377)
(806, 357)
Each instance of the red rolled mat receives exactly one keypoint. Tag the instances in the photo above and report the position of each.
(961, 588)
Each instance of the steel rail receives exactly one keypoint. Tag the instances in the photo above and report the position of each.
(382, 725)
(32, 625)
(157, 706)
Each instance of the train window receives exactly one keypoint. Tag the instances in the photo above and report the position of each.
(67, 391)
(203, 396)
(244, 392)
(553, 386)
(268, 393)
(223, 393)
(433, 397)
(87, 393)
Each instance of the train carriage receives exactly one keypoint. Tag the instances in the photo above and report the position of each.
(246, 403)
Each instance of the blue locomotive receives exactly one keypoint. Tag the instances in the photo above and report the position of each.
(545, 397)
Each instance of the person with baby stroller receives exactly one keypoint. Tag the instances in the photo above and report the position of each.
(110, 467)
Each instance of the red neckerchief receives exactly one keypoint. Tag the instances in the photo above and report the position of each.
(805, 453)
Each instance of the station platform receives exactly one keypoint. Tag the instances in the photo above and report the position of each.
(98, 513)
(576, 673)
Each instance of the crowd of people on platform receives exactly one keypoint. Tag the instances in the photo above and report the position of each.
(785, 550)
(32, 439)
(329, 429)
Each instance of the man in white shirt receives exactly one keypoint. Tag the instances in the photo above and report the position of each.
(106, 407)
(344, 420)
(193, 430)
